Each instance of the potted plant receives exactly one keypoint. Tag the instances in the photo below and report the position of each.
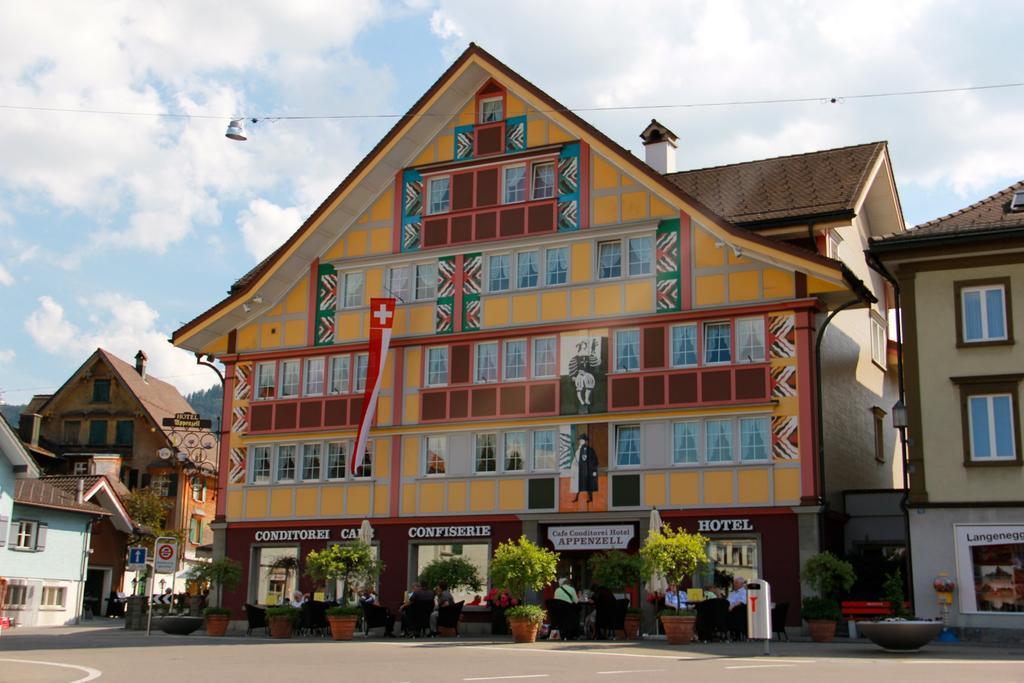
(282, 621)
(828, 576)
(345, 562)
(456, 572)
(522, 566)
(900, 632)
(499, 599)
(675, 555)
(221, 574)
(619, 571)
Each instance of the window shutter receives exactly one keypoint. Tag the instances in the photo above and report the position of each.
(172, 485)
(146, 478)
(41, 536)
(4, 523)
(13, 534)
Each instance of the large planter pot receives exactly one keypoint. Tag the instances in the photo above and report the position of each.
(822, 630)
(217, 624)
(280, 627)
(342, 628)
(499, 625)
(523, 630)
(178, 626)
(632, 625)
(679, 630)
(900, 636)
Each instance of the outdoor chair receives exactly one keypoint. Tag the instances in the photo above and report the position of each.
(564, 617)
(779, 614)
(314, 618)
(738, 622)
(375, 616)
(448, 617)
(713, 619)
(416, 618)
(611, 617)
(256, 618)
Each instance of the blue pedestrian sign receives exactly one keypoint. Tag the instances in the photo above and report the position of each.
(136, 558)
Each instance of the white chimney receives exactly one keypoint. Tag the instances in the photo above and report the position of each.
(659, 147)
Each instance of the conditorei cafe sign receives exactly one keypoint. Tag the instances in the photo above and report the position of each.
(277, 535)
(603, 537)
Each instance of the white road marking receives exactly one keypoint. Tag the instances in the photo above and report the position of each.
(972, 662)
(631, 671)
(761, 666)
(762, 660)
(584, 652)
(91, 674)
(502, 678)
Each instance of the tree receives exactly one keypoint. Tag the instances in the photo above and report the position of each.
(149, 510)
(220, 574)
(828, 575)
(673, 554)
(615, 569)
(521, 565)
(456, 572)
(346, 562)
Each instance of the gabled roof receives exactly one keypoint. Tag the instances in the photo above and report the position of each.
(989, 218)
(98, 490)
(784, 189)
(38, 493)
(13, 450)
(456, 85)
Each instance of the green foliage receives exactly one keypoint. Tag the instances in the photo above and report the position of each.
(615, 569)
(677, 613)
(345, 562)
(344, 611)
(825, 609)
(828, 575)
(289, 612)
(532, 613)
(216, 612)
(456, 572)
(634, 610)
(207, 402)
(521, 566)
(673, 554)
(222, 573)
(892, 592)
(149, 510)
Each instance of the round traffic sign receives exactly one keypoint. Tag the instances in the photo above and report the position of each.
(165, 552)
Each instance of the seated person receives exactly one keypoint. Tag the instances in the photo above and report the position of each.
(565, 592)
(672, 597)
(569, 615)
(444, 599)
(367, 597)
(417, 595)
(297, 600)
(738, 607)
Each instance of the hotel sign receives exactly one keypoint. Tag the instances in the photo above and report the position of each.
(724, 525)
(186, 421)
(603, 537)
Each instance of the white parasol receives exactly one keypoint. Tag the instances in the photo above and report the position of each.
(657, 583)
(366, 532)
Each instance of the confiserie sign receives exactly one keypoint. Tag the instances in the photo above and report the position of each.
(453, 531)
(591, 537)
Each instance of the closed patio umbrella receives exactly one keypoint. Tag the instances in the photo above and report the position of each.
(657, 583)
(366, 532)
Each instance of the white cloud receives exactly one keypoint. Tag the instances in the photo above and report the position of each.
(6, 278)
(6, 356)
(122, 326)
(265, 226)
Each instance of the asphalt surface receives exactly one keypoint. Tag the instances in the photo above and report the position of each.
(66, 655)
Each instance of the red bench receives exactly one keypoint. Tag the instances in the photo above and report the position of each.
(864, 610)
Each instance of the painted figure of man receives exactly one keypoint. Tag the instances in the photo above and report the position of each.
(582, 367)
(586, 458)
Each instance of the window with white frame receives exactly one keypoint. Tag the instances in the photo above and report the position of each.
(491, 110)
(683, 340)
(750, 340)
(310, 461)
(879, 339)
(609, 260)
(81, 467)
(545, 449)
(718, 440)
(198, 486)
(286, 463)
(314, 381)
(438, 195)
(717, 343)
(545, 357)
(265, 380)
(627, 445)
(353, 290)
(486, 459)
(983, 312)
(556, 268)
(365, 470)
(498, 278)
(437, 366)
(336, 452)
(639, 249)
(261, 457)
(543, 181)
(161, 483)
(487, 362)
(426, 281)
(436, 456)
(527, 269)
(685, 436)
(515, 451)
(289, 378)
(834, 240)
(338, 380)
(362, 363)
(398, 283)
(17, 596)
(515, 359)
(755, 439)
(514, 184)
(25, 535)
(627, 350)
(992, 427)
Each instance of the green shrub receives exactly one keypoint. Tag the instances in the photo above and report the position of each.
(677, 613)
(828, 575)
(522, 565)
(216, 612)
(456, 572)
(826, 609)
(673, 554)
(343, 611)
(615, 569)
(634, 610)
(220, 574)
(892, 592)
(532, 613)
(346, 562)
(290, 612)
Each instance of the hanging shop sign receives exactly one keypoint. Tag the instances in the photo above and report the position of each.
(186, 421)
(604, 537)
(724, 525)
(473, 531)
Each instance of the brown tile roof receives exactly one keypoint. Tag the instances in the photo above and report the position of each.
(69, 483)
(783, 189)
(38, 493)
(158, 398)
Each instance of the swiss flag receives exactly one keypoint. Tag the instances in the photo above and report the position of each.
(382, 319)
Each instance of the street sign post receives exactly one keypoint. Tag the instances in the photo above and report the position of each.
(759, 613)
(165, 561)
(136, 558)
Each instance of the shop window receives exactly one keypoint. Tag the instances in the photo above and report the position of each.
(755, 439)
(729, 558)
(515, 451)
(515, 359)
(261, 456)
(353, 587)
(336, 452)
(487, 362)
(124, 432)
(436, 455)
(286, 463)
(289, 378)
(684, 345)
(609, 260)
(72, 432)
(640, 255)
(314, 379)
(97, 432)
(545, 357)
(486, 459)
(717, 343)
(265, 380)
(989, 567)
(491, 110)
(362, 362)
(718, 440)
(685, 436)
(353, 297)
(426, 281)
(556, 268)
(437, 366)
(527, 269)
(627, 445)
(338, 383)
(439, 195)
(498, 276)
(397, 283)
(545, 449)
(543, 181)
(515, 184)
(750, 340)
(479, 554)
(101, 391)
(310, 462)
(276, 575)
(627, 350)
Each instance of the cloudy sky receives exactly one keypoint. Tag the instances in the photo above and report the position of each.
(114, 229)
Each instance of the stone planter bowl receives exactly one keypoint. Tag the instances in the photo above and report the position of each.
(900, 636)
(178, 626)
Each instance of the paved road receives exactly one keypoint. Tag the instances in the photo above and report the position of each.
(114, 655)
